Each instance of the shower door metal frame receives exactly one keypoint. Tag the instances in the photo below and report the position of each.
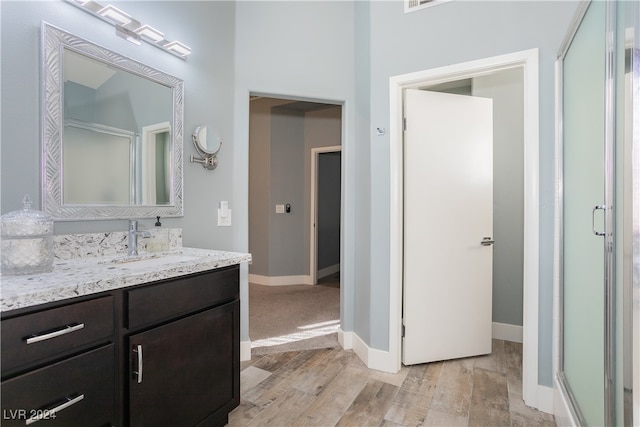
(608, 205)
(635, 171)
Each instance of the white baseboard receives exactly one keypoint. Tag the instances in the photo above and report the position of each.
(545, 399)
(280, 280)
(245, 350)
(327, 271)
(503, 331)
(345, 339)
(561, 409)
(374, 359)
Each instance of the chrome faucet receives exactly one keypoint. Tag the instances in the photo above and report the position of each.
(133, 237)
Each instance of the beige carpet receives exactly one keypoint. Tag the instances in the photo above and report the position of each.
(296, 317)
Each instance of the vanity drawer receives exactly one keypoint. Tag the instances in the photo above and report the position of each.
(81, 389)
(164, 301)
(56, 331)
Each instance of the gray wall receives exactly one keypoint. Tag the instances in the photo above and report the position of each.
(506, 89)
(260, 183)
(286, 245)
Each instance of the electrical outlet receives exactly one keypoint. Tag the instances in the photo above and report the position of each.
(224, 218)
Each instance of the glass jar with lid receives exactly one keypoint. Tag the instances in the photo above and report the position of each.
(27, 241)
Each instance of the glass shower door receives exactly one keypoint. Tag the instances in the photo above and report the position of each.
(583, 215)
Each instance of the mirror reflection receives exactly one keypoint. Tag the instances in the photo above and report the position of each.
(117, 137)
(112, 133)
(206, 142)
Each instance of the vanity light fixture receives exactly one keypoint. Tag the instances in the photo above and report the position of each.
(179, 48)
(114, 14)
(151, 33)
(127, 34)
(131, 29)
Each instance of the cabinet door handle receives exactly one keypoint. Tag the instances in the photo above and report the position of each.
(47, 414)
(138, 373)
(62, 331)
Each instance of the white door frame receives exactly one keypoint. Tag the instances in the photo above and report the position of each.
(528, 60)
(313, 233)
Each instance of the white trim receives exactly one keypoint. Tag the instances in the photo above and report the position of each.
(528, 60)
(345, 338)
(245, 350)
(561, 408)
(280, 280)
(506, 332)
(374, 359)
(313, 233)
(328, 271)
(546, 399)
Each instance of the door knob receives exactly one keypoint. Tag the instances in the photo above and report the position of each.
(487, 241)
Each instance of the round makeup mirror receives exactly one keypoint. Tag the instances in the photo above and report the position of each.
(207, 144)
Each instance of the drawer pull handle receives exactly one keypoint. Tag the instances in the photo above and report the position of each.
(63, 331)
(48, 413)
(138, 373)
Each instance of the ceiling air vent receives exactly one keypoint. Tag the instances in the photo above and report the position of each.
(413, 5)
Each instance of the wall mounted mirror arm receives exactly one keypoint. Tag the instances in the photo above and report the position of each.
(207, 145)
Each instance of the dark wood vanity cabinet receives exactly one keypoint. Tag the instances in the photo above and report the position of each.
(160, 354)
(184, 348)
(78, 391)
(59, 365)
(186, 375)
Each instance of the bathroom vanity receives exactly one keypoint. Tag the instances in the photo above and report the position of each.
(106, 338)
(120, 341)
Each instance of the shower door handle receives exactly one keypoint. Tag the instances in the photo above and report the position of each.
(593, 219)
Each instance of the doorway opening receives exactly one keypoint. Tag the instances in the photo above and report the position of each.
(287, 175)
(528, 62)
(324, 248)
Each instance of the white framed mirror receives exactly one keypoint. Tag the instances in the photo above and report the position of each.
(112, 133)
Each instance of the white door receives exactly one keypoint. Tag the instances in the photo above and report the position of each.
(448, 211)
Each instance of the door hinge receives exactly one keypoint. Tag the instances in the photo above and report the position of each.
(403, 330)
(404, 123)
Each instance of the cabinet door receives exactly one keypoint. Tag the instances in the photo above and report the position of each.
(78, 391)
(186, 371)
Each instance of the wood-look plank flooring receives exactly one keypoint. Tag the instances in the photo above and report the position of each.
(332, 387)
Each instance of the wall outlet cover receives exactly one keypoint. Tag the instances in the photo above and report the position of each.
(224, 221)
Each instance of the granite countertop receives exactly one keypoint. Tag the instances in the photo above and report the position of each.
(85, 276)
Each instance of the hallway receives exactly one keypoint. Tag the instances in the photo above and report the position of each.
(294, 317)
